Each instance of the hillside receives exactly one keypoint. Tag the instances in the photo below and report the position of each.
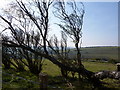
(97, 53)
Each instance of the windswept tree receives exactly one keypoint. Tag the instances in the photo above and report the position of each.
(71, 17)
(60, 51)
(28, 24)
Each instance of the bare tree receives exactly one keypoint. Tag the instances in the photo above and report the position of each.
(60, 51)
(29, 30)
(71, 23)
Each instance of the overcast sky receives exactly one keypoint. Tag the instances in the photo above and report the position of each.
(100, 23)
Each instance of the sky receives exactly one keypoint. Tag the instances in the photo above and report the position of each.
(100, 26)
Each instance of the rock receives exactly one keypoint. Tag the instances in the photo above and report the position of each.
(108, 74)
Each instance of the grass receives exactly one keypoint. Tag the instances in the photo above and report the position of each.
(51, 68)
(54, 70)
(54, 76)
(98, 52)
(98, 66)
(11, 79)
(112, 83)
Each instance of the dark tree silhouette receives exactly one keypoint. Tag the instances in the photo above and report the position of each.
(24, 32)
(5, 58)
(29, 26)
(72, 22)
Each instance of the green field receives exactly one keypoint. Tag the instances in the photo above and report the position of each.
(12, 78)
(54, 76)
(98, 53)
(53, 70)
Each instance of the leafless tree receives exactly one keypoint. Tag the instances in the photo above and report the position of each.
(61, 51)
(25, 31)
(29, 27)
(71, 23)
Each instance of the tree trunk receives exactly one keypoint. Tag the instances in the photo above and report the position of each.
(79, 60)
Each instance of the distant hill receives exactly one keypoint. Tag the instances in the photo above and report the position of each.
(107, 52)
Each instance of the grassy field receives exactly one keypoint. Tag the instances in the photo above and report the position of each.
(98, 66)
(54, 75)
(13, 79)
(98, 52)
(53, 70)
